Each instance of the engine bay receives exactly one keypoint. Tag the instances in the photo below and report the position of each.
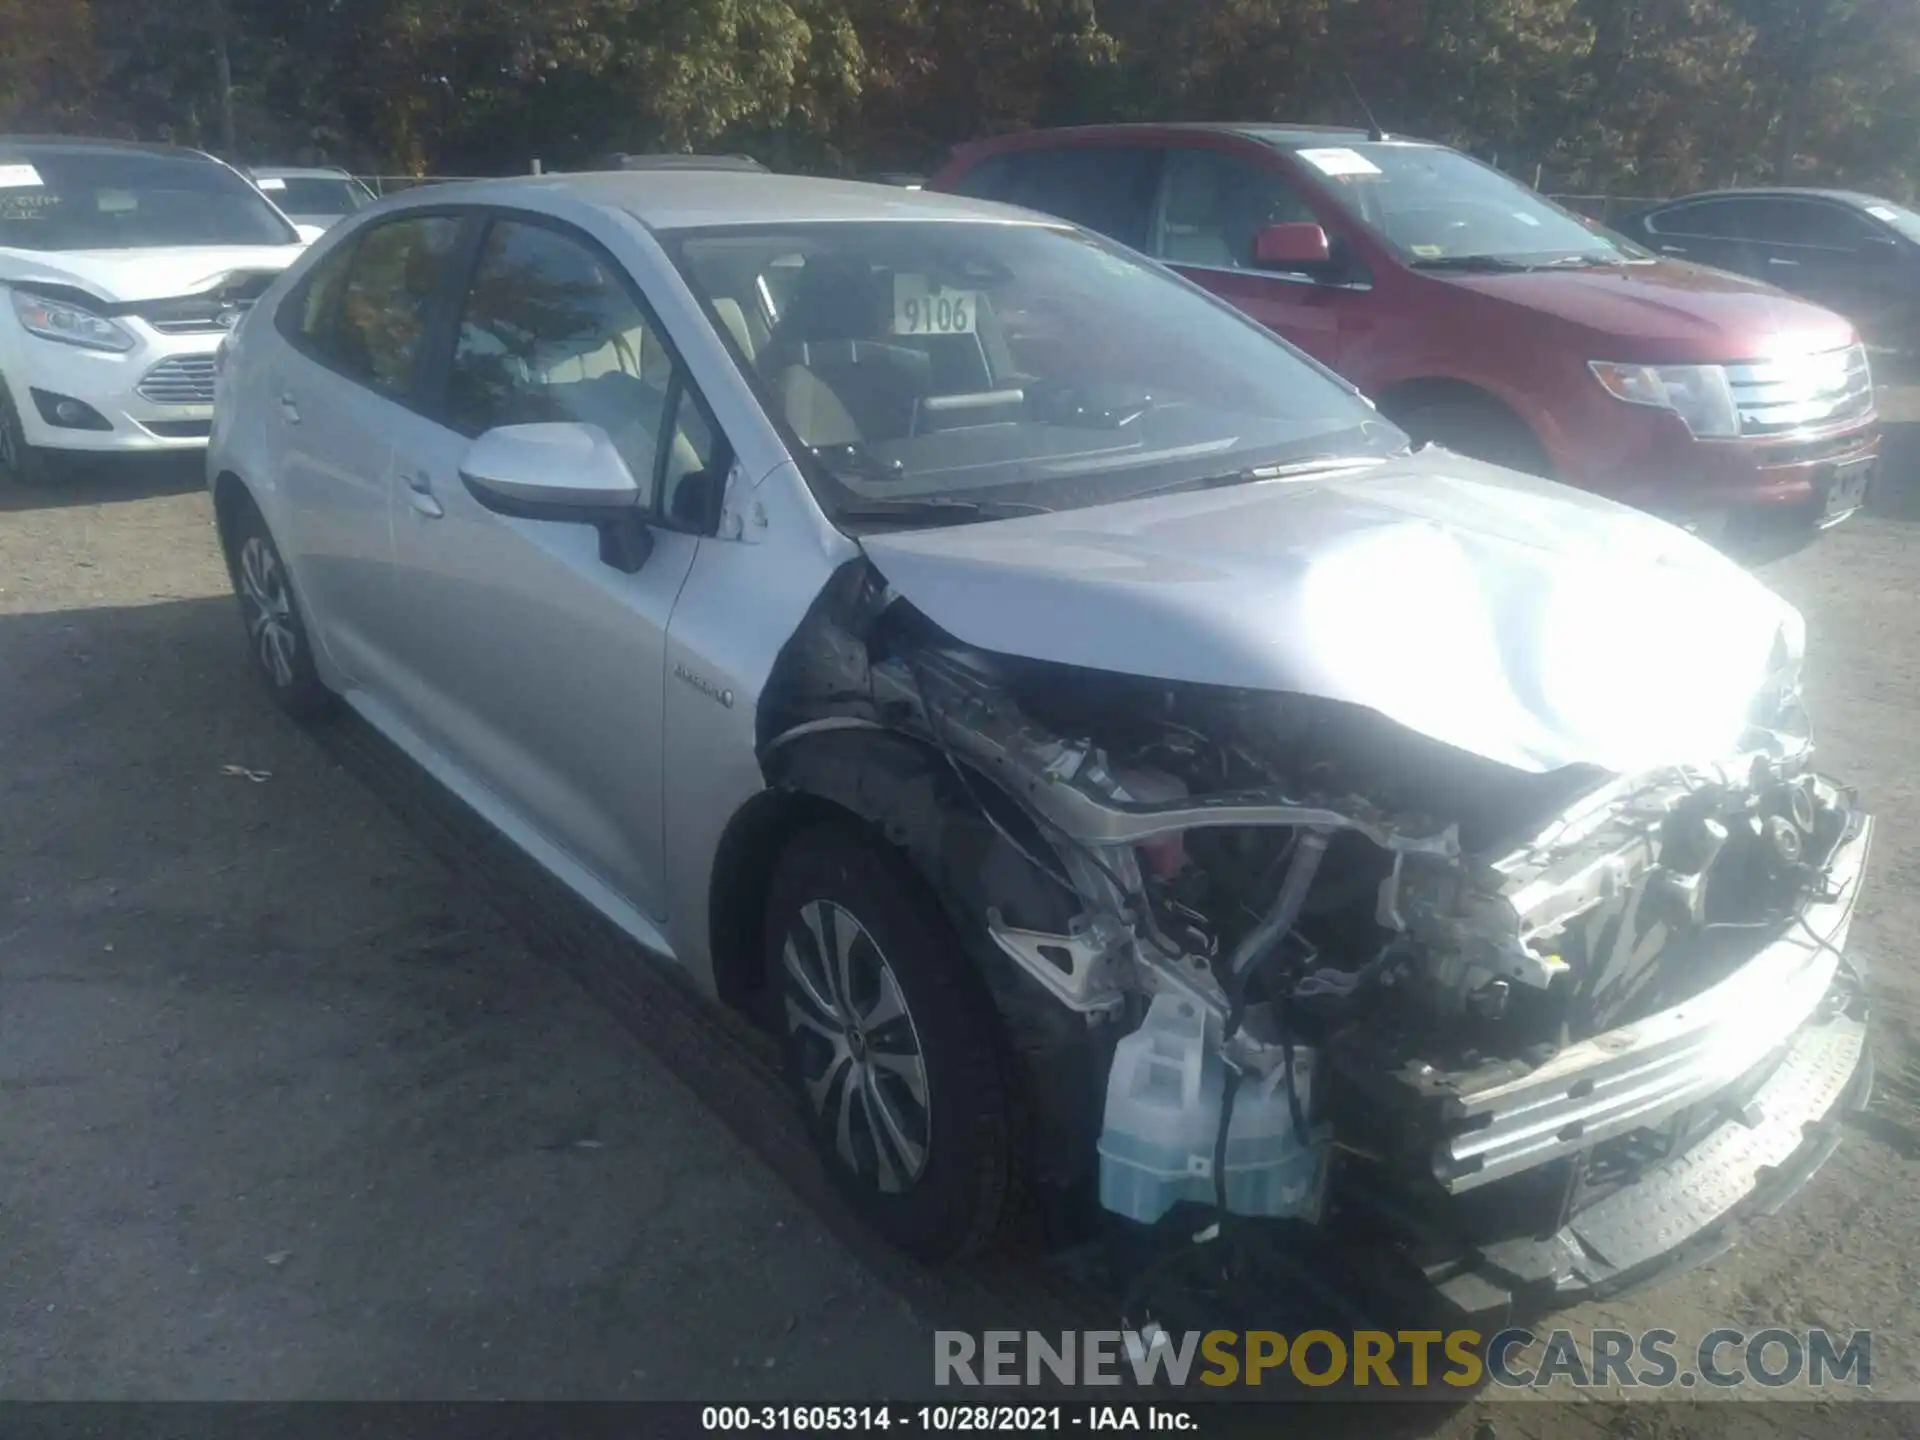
(1310, 932)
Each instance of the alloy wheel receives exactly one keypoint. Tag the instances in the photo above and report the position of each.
(862, 1064)
(269, 609)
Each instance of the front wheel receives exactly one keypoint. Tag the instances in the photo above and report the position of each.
(1478, 429)
(20, 463)
(892, 1044)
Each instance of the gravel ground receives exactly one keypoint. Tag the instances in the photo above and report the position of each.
(294, 1102)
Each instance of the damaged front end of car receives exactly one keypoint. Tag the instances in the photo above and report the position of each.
(1540, 1030)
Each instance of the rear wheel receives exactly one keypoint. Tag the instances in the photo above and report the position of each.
(1477, 428)
(277, 640)
(21, 463)
(892, 1045)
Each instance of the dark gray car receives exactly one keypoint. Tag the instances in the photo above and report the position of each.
(1855, 254)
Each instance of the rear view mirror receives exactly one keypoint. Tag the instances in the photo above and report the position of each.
(1292, 245)
(566, 472)
(310, 233)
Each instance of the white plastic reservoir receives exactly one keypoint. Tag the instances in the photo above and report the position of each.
(1163, 1115)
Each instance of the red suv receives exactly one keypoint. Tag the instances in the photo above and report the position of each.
(1477, 314)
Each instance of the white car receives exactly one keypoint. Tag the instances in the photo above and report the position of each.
(122, 267)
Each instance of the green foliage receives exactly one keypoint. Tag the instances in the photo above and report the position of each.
(1625, 96)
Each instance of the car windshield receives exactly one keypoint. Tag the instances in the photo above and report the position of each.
(316, 194)
(1441, 208)
(58, 199)
(1898, 216)
(956, 370)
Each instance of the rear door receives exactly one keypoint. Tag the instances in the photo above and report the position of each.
(1211, 203)
(342, 387)
(531, 665)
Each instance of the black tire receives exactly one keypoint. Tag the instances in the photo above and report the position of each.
(20, 463)
(1476, 428)
(277, 639)
(952, 1169)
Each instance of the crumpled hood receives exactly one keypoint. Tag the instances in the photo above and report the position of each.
(121, 277)
(1520, 620)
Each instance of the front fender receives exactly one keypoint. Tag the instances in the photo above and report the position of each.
(913, 796)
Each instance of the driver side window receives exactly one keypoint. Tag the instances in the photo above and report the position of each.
(1214, 203)
(549, 333)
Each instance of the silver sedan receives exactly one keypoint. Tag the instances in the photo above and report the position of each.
(1121, 771)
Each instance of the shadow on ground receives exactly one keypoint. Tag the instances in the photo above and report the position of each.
(1896, 486)
(300, 1101)
(109, 481)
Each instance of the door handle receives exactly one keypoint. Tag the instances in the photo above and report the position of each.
(290, 410)
(1673, 249)
(420, 495)
(1776, 260)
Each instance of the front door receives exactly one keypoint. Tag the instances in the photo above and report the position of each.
(1705, 232)
(1212, 203)
(531, 665)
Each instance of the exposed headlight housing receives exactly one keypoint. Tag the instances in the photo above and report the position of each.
(1699, 394)
(69, 324)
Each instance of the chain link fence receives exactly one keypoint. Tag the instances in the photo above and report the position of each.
(1607, 209)
(395, 184)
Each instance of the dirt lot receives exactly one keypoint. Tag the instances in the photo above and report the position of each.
(295, 1101)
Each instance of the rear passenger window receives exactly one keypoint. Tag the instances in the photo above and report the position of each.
(1714, 219)
(547, 334)
(383, 305)
(1107, 188)
(994, 178)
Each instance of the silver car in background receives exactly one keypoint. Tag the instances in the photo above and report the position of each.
(1127, 778)
(317, 197)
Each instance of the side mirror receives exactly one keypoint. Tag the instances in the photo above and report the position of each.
(310, 233)
(1292, 245)
(566, 472)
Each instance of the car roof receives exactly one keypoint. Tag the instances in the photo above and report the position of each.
(692, 199)
(1787, 192)
(674, 160)
(85, 145)
(298, 172)
(1270, 132)
(1303, 136)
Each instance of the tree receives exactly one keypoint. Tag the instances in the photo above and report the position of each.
(46, 63)
(1645, 96)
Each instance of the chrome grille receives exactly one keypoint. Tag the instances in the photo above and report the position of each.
(198, 324)
(182, 380)
(204, 314)
(1795, 393)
